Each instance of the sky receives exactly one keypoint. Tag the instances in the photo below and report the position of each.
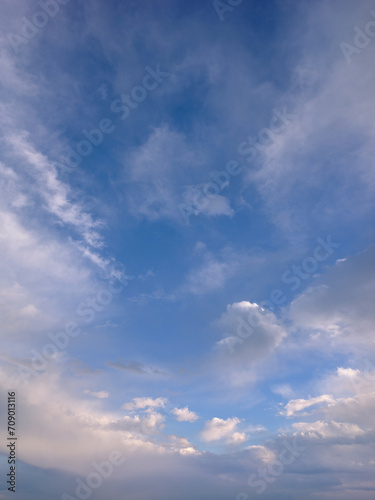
(187, 249)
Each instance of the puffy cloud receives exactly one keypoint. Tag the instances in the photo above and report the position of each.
(263, 453)
(99, 394)
(251, 335)
(144, 403)
(208, 277)
(156, 168)
(283, 390)
(339, 305)
(217, 429)
(72, 422)
(54, 192)
(326, 430)
(185, 415)
(326, 154)
(350, 381)
(296, 405)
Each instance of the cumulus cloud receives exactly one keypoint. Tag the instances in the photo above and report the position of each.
(345, 382)
(283, 390)
(41, 276)
(185, 415)
(294, 182)
(210, 276)
(210, 273)
(251, 335)
(183, 445)
(154, 172)
(99, 394)
(70, 421)
(55, 192)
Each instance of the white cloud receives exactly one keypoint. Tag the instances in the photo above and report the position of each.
(41, 278)
(292, 171)
(307, 156)
(297, 405)
(54, 404)
(211, 273)
(142, 403)
(338, 307)
(251, 335)
(54, 192)
(154, 172)
(184, 414)
(99, 394)
(283, 390)
(211, 206)
(210, 276)
(218, 429)
(183, 446)
(255, 428)
(326, 430)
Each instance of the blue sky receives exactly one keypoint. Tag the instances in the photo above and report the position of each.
(187, 247)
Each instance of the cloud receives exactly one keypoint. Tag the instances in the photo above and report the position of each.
(183, 445)
(136, 367)
(210, 276)
(143, 403)
(283, 390)
(211, 272)
(217, 429)
(296, 405)
(327, 430)
(195, 202)
(309, 176)
(318, 173)
(338, 307)
(150, 424)
(54, 192)
(42, 279)
(237, 438)
(251, 335)
(56, 406)
(100, 394)
(184, 414)
(154, 172)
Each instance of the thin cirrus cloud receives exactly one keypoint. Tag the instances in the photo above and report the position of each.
(199, 321)
(145, 403)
